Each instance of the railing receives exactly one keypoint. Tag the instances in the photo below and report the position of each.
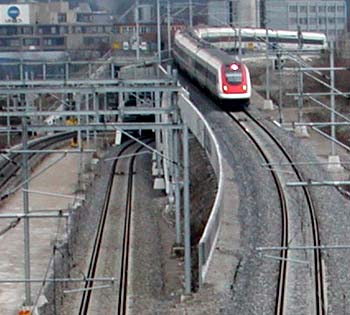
(63, 72)
(205, 136)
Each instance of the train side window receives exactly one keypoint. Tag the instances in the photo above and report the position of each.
(212, 77)
(200, 68)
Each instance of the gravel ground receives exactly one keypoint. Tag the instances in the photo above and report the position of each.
(156, 274)
(253, 279)
(83, 226)
(334, 224)
(253, 288)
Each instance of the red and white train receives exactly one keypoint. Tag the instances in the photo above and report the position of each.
(222, 74)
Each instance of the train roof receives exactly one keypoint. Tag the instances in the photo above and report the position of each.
(209, 32)
(222, 56)
(194, 44)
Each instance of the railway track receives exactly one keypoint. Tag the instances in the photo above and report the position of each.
(123, 256)
(282, 289)
(10, 163)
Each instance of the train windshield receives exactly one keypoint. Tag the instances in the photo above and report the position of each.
(233, 75)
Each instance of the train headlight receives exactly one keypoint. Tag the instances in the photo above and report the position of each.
(244, 87)
(225, 87)
(234, 67)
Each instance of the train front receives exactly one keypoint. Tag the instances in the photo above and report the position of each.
(235, 82)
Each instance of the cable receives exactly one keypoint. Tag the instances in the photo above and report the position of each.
(12, 225)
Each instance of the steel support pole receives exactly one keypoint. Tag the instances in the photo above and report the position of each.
(21, 71)
(267, 66)
(280, 94)
(80, 144)
(169, 29)
(106, 118)
(169, 151)
(96, 108)
(240, 44)
(177, 188)
(25, 186)
(86, 98)
(137, 30)
(44, 71)
(300, 97)
(333, 130)
(41, 118)
(187, 211)
(8, 121)
(159, 33)
(280, 90)
(78, 105)
(158, 133)
(190, 12)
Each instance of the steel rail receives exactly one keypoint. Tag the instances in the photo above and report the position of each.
(318, 269)
(123, 285)
(94, 261)
(279, 308)
(86, 296)
(12, 161)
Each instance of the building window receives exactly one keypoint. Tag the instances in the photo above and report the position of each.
(340, 9)
(31, 42)
(10, 42)
(144, 30)
(293, 8)
(331, 8)
(48, 29)
(64, 29)
(312, 9)
(331, 20)
(303, 21)
(293, 21)
(92, 41)
(53, 41)
(84, 17)
(312, 21)
(77, 29)
(303, 9)
(322, 8)
(8, 30)
(127, 29)
(27, 30)
(322, 21)
(62, 17)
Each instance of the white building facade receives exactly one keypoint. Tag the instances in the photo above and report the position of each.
(329, 17)
(238, 13)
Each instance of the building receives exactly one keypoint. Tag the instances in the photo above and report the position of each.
(348, 15)
(51, 27)
(239, 13)
(40, 30)
(329, 17)
(218, 13)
